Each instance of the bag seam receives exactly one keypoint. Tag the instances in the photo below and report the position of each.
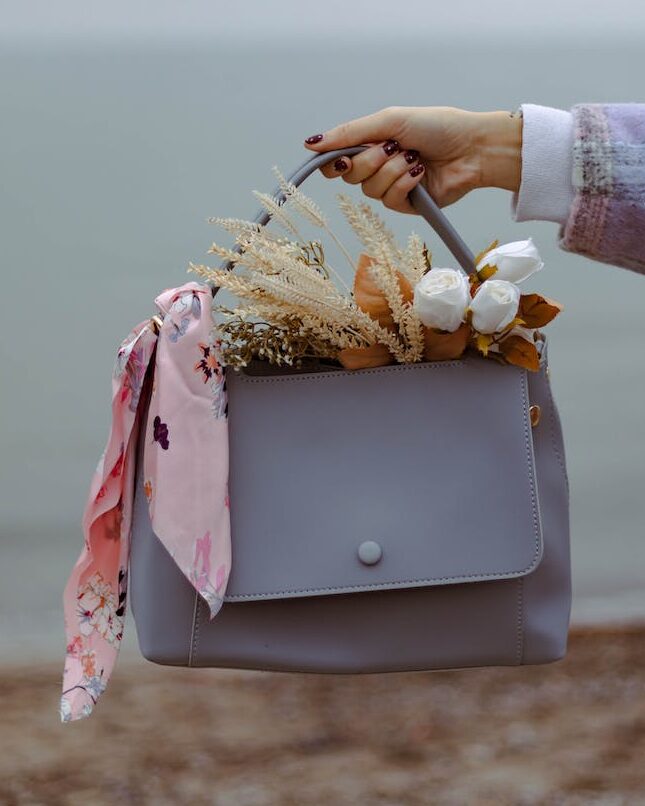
(520, 620)
(554, 441)
(192, 651)
(320, 376)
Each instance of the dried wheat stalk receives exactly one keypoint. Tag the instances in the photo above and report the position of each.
(287, 284)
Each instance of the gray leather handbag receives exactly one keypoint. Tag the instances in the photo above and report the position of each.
(405, 517)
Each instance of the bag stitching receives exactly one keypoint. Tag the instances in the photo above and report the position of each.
(537, 525)
(195, 629)
(320, 376)
(554, 441)
(192, 650)
(421, 581)
(520, 622)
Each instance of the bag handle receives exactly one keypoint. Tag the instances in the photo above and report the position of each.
(419, 197)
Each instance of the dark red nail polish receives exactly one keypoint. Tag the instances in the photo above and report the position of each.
(391, 147)
(341, 164)
(315, 138)
(411, 155)
(416, 170)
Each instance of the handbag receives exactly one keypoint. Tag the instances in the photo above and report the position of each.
(404, 517)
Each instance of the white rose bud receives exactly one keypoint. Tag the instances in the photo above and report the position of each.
(494, 306)
(514, 261)
(441, 298)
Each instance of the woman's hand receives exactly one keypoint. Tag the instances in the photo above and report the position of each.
(450, 151)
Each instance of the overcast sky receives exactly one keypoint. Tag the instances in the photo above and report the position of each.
(193, 18)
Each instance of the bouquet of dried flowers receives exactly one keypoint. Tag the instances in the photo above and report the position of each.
(293, 305)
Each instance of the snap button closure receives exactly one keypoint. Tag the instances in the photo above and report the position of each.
(369, 552)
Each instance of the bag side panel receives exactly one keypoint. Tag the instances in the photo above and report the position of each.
(547, 591)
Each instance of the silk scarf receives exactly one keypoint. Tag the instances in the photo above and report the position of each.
(185, 470)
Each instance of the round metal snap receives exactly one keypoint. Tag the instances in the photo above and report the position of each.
(369, 552)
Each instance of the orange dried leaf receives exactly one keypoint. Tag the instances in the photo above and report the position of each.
(369, 297)
(537, 311)
(444, 346)
(407, 292)
(376, 355)
(494, 244)
(517, 350)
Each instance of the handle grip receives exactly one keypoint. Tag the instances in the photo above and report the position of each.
(419, 197)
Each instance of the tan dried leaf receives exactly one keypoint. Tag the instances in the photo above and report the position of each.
(370, 298)
(517, 350)
(484, 252)
(376, 355)
(441, 346)
(537, 311)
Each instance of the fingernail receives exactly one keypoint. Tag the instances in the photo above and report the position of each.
(341, 164)
(315, 138)
(416, 170)
(411, 155)
(391, 147)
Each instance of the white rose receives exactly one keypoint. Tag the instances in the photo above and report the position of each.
(494, 306)
(515, 261)
(441, 298)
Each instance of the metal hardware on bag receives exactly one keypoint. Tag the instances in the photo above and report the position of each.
(155, 323)
(369, 552)
(535, 412)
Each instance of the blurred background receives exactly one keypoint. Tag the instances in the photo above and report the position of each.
(124, 126)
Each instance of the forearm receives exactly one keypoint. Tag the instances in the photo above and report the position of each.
(499, 147)
(532, 157)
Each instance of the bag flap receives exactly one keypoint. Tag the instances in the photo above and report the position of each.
(433, 462)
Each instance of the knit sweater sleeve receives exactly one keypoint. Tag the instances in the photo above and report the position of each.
(606, 221)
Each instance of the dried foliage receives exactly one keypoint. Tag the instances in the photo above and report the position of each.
(293, 305)
(537, 311)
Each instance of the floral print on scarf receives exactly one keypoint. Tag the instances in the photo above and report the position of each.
(185, 453)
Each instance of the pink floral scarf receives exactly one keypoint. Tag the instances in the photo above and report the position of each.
(185, 470)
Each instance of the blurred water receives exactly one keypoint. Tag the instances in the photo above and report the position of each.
(112, 158)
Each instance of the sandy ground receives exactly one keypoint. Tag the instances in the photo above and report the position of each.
(572, 732)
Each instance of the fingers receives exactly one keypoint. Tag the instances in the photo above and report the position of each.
(395, 197)
(337, 167)
(376, 181)
(363, 165)
(380, 125)
(387, 177)
(384, 171)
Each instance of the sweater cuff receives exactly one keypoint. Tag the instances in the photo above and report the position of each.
(546, 189)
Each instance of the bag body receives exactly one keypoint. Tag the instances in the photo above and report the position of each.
(405, 517)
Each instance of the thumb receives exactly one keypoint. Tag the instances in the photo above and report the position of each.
(380, 125)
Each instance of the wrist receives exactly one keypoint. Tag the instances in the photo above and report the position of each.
(498, 144)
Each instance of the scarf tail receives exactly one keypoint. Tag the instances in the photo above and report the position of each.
(94, 598)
